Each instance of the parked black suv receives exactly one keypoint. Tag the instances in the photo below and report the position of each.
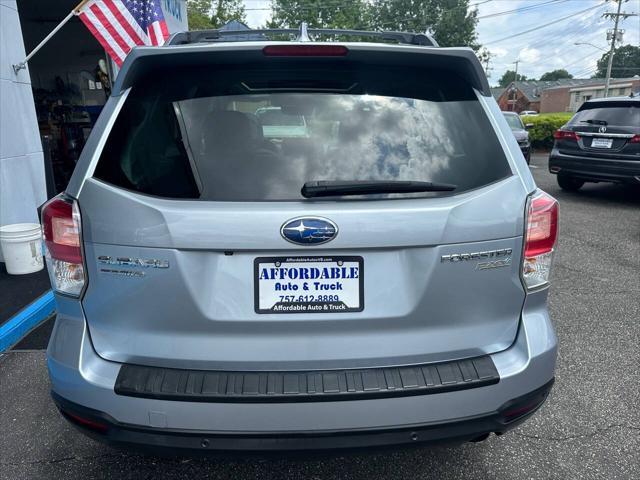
(601, 143)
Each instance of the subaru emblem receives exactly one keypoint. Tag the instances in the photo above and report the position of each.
(309, 230)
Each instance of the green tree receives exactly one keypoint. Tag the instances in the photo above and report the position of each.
(556, 75)
(626, 62)
(205, 14)
(451, 22)
(199, 14)
(226, 10)
(352, 14)
(509, 77)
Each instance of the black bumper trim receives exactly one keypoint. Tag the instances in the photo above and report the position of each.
(619, 170)
(179, 441)
(304, 386)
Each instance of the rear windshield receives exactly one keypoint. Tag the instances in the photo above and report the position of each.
(620, 115)
(254, 135)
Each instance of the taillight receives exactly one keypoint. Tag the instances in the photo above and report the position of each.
(61, 232)
(305, 50)
(565, 135)
(540, 239)
(635, 139)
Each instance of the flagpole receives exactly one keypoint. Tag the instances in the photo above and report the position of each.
(23, 64)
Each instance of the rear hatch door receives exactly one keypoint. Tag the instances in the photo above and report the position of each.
(192, 213)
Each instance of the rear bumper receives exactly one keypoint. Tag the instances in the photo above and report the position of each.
(595, 169)
(104, 428)
(83, 385)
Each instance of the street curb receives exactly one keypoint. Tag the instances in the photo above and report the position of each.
(26, 320)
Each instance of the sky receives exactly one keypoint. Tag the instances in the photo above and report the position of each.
(544, 48)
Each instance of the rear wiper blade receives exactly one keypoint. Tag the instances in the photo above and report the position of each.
(594, 121)
(328, 188)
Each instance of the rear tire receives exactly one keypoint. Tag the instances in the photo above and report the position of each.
(570, 184)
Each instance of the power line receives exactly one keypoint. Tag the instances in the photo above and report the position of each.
(579, 34)
(584, 32)
(578, 61)
(521, 9)
(585, 73)
(543, 25)
(614, 37)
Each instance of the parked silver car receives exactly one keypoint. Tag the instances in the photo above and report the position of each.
(520, 133)
(380, 280)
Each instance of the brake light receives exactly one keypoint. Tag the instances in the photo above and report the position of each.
(305, 50)
(61, 232)
(565, 135)
(540, 239)
(635, 139)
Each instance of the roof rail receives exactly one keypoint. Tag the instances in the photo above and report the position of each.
(302, 34)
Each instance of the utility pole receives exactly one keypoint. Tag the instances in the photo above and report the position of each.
(515, 87)
(487, 59)
(486, 65)
(614, 37)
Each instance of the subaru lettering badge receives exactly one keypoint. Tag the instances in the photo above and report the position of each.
(309, 230)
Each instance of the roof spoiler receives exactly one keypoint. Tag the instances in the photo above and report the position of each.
(144, 60)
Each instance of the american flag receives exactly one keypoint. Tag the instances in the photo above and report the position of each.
(120, 25)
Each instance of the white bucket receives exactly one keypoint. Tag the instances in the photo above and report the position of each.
(21, 245)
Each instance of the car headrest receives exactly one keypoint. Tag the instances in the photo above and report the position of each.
(230, 129)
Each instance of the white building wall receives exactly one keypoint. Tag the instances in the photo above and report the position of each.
(22, 180)
(580, 95)
(175, 14)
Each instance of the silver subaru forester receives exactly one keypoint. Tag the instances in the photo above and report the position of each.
(300, 245)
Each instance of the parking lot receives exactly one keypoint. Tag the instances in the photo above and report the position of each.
(589, 428)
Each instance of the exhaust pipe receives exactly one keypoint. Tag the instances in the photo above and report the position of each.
(480, 438)
(554, 169)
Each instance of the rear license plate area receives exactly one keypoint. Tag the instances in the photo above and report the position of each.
(332, 284)
(601, 142)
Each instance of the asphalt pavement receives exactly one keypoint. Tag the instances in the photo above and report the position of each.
(588, 429)
(17, 291)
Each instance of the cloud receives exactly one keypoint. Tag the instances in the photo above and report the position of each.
(529, 55)
(499, 52)
(258, 12)
(553, 46)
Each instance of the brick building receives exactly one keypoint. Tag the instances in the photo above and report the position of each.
(527, 95)
(568, 98)
(564, 95)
